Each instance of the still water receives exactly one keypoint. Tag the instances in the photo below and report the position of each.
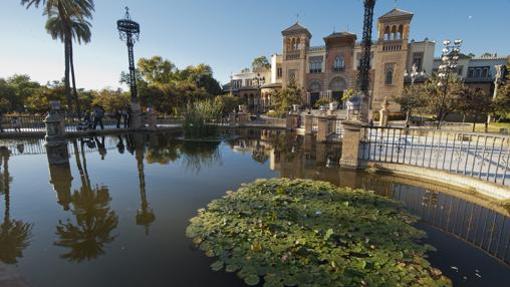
(116, 215)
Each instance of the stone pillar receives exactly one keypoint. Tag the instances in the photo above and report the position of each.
(243, 118)
(351, 144)
(151, 120)
(323, 129)
(56, 143)
(292, 121)
(135, 116)
(308, 124)
(383, 114)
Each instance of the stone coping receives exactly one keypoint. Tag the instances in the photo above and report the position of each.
(457, 181)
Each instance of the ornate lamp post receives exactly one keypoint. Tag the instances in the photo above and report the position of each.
(364, 71)
(259, 80)
(449, 58)
(129, 31)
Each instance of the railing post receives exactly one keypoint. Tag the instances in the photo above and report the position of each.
(292, 120)
(308, 121)
(351, 144)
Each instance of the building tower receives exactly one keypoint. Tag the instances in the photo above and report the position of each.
(391, 57)
(296, 42)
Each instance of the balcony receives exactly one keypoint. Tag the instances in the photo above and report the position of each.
(294, 55)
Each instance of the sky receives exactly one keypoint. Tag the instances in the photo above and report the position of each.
(227, 34)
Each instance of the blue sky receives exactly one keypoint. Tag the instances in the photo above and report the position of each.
(227, 34)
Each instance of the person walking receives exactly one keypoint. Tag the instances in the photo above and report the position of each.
(125, 117)
(1, 122)
(118, 117)
(98, 117)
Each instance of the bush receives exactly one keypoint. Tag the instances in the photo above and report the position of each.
(198, 116)
(310, 233)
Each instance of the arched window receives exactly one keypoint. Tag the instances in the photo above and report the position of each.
(339, 64)
(394, 33)
(388, 74)
(387, 33)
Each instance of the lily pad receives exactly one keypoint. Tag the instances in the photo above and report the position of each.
(303, 232)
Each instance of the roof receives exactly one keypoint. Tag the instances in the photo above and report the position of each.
(296, 29)
(397, 14)
(340, 35)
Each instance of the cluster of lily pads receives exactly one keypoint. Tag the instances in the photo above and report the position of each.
(283, 232)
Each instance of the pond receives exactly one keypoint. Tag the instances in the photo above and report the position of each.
(116, 216)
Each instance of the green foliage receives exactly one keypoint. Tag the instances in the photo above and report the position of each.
(228, 103)
(475, 103)
(111, 100)
(309, 233)
(323, 101)
(198, 115)
(261, 62)
(283, 100)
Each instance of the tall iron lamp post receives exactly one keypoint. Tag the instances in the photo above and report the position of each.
(364, 71)
(500, 70)
(449, 59)
(129, 31)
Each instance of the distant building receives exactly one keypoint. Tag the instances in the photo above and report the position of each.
(327, 71)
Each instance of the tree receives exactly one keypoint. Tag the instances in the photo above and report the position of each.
(111, 100)
(39, 101)
(64, 14)
(260, 63)
(284, 99)
(475, 103)
(14, 91)
(502, 101)
(411, 100)
(441, 100)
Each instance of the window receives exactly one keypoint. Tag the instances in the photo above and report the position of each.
(339, 64)
(292, 76)
(418, 60)
(479, 72)
(388, 74)
(315, 65)
(279, 72)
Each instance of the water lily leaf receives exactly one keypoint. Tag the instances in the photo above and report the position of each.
(217, 266)
(252, 280)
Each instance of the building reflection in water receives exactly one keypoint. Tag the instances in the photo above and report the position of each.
(91, 229)
(14, 234)
(301, 157)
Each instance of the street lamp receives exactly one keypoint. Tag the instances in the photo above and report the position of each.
(364, 71)
(129, 31)
(259, 80)
(449, 59)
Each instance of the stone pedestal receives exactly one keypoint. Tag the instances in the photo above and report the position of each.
(292, 121)
(243, 118)
(325, 127)
(308, 121)
(351, 144)
(56, 143)
(135, 118)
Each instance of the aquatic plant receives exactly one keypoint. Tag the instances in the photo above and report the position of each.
(283, 232)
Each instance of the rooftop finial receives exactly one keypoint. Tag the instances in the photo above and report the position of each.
(297, 18)
(127, 13)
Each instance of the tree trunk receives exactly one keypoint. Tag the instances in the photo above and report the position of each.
(474, 123)
(73, 78)
(66, 74)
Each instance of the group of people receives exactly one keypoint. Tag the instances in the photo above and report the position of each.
(95, 118)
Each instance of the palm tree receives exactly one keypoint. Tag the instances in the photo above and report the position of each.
(14, 234)
(68, 11)
(80, 32)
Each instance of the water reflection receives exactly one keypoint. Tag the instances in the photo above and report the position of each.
(301, 157)
(94, 221)
(145, 215)
(14, 234)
